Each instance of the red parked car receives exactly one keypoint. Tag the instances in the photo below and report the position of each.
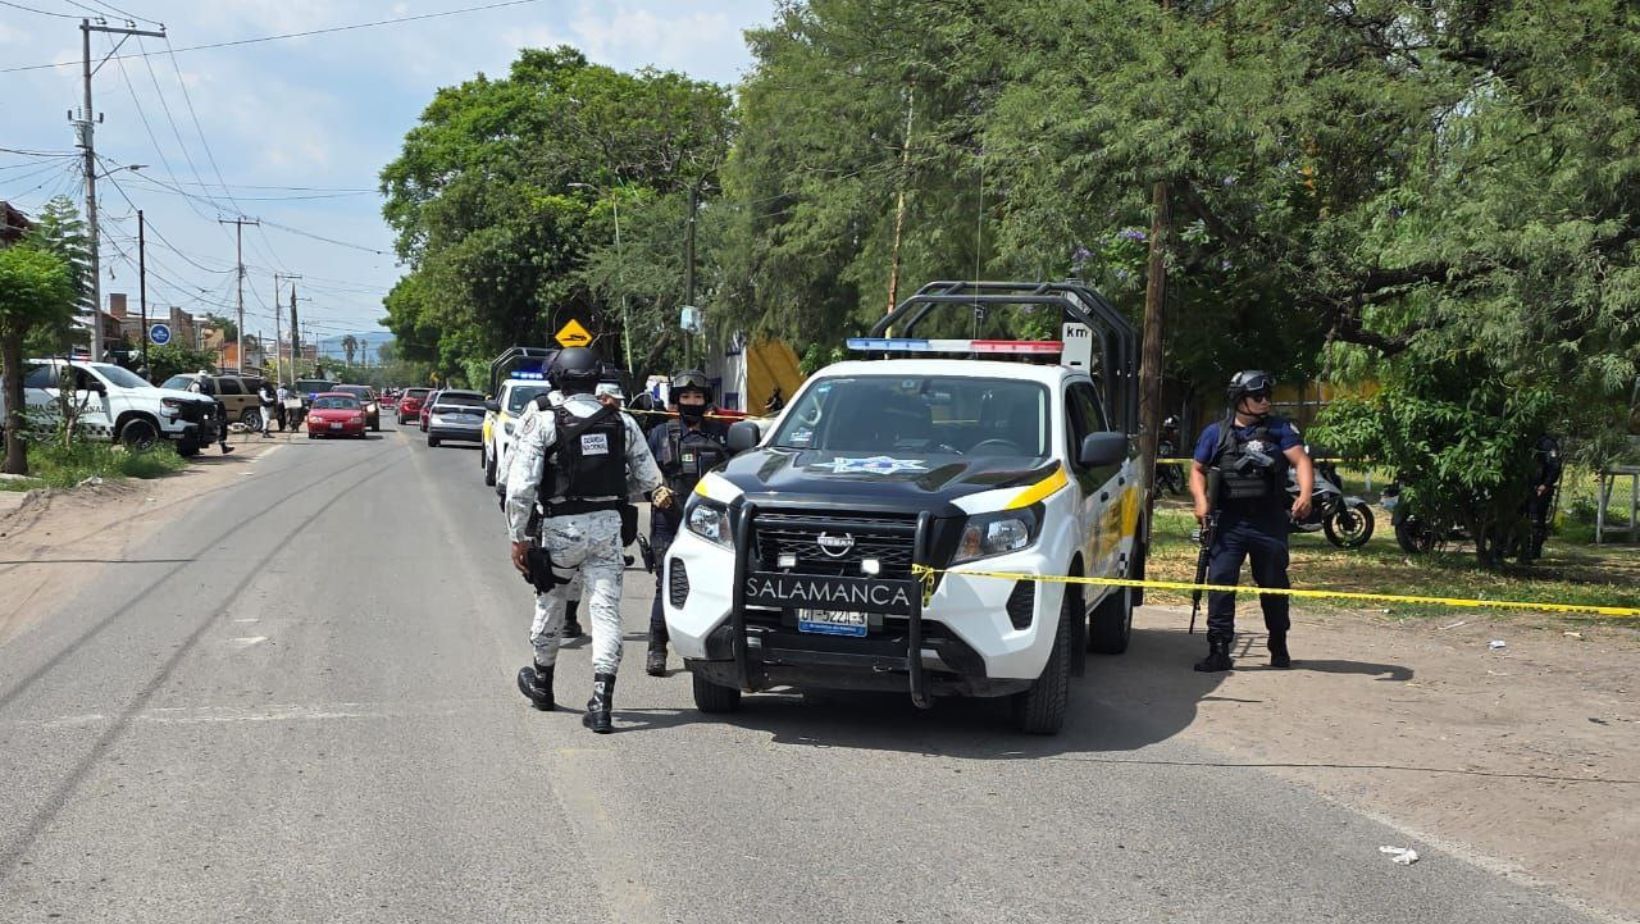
(410, 404)
(335, 413)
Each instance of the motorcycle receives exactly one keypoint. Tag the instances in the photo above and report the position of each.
(1416, 534)
(1346, 519)
(1169, 475)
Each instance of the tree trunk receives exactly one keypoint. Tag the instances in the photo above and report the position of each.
(11, 357)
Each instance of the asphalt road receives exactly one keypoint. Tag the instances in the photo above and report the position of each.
(306, 712)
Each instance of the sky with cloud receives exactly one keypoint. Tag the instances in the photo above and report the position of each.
(292, 132)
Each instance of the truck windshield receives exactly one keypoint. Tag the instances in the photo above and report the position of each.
(520, 395)
(122, 377)
(931, 414)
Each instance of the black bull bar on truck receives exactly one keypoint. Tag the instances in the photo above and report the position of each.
(867, 602)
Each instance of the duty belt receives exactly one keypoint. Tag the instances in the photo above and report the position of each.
(572, 507)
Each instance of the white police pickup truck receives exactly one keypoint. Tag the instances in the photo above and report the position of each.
(116, 403)
(855, 530)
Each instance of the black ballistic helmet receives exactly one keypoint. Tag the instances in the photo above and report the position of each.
(1250, 382)
(575, 371)
(691, 380)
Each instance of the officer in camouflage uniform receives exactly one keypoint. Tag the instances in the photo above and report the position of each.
(572, 591)
(572, 464)
(685, 448)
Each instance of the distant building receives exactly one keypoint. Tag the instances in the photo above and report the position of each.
(13, 224)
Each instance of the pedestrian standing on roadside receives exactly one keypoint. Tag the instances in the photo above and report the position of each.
(282, 394)
(269, 400)
(203, 384)
(1250, 450)
(574, 466)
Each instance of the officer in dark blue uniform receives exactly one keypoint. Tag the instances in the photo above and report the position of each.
(686, 448)
(1250, 450)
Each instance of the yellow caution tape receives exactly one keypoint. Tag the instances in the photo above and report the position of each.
(926, 575)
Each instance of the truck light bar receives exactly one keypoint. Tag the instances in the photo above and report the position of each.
(914, 345)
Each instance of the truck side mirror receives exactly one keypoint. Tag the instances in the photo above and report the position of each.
(1101, 449)
(493, 406)
(744, 435)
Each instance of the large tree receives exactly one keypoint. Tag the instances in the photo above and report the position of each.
(37, 292)
(505, 195)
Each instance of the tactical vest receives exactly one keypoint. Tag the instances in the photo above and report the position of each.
(590, 457)
(1248, 475)
(687, 455)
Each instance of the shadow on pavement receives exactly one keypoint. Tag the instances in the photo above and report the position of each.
(1123, 703)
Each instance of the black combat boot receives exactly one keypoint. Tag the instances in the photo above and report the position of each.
(1278, 650)
(572, 626)
(655, 665)
(603, 699)
(1218, 656)
(535, 682)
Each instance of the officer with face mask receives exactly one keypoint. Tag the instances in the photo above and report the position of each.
(686, 448)
(574, 466)
(1250, 450)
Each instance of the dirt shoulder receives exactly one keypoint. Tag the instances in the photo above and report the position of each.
(54, 542)
(1527, 757)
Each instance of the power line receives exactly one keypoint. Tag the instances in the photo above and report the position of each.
(127, 15)
(289, 230)
(30, 9)
(280, 36)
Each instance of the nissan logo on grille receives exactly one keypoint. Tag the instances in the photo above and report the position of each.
(835, 546)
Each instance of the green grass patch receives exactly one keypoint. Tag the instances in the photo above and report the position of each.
(50, 464)
(1568, 573)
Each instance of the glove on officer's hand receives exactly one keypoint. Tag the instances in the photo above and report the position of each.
(662, 498)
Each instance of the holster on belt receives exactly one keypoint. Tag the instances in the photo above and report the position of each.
(538, 561)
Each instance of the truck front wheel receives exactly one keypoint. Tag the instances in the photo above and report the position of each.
(139, 433)
(711, 698)
(1041, 709)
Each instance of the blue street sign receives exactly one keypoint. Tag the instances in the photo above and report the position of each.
(159, 334)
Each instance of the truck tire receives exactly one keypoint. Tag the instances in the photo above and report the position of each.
(252, 419)
(711, 698)
(489, 472)
(139, 433)
(187, 447)
(1041, 709)
(432, 441)
(1110, 625)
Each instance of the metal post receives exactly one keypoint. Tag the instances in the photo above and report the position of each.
(87, 130)
(87, 126)
(142, 285)
(626, 320)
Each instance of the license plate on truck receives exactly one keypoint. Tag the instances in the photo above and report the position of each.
(831, 622)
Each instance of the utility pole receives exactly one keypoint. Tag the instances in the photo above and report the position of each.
(276, 367)
(142, 284)
(295, 335)
(239, 261)
(899, 207)
(86, 124)
(689, 263)
(1150, 350)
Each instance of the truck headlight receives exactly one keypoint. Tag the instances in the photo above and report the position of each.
(999, 533)
(709, 520)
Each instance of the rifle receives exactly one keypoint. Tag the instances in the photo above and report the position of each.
(648, 555)
(1205, 534)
